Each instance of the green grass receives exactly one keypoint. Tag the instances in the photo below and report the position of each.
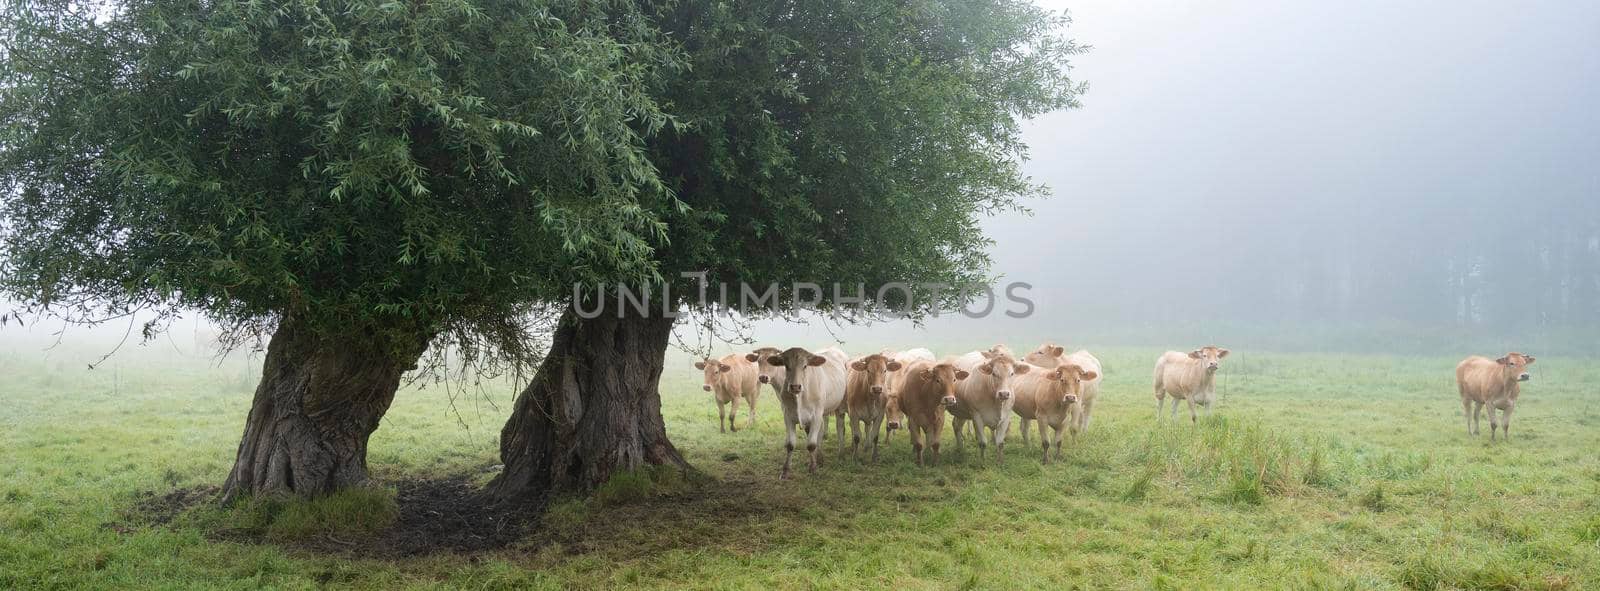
(1315, 472)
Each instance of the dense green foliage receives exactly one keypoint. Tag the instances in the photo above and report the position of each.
(363, 166)
(1375, 485)
(371, 166)
(852, 142)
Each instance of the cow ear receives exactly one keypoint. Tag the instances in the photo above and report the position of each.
(1503, 361)
(816, 360)
(700, 365)
(1528, 359)
(751, 357)
(859, 365)
(893, 366)
(962, 374)
(987, 354)
(1057, 351)
(1087, 375)
(987, 369)
(724, 367)
(927, 374)
(775, 360)
(1222, 353)
(1019, 368)
(1195, 354)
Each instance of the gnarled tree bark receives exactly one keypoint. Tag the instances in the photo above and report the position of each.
(593, 409)
(318, 401)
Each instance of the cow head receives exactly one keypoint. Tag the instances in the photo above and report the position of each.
(1047, 355)
(765, 371)
(892, 415)
(996, 351)
(1211, 355)
(944, 375)
(876, 367)
(1000, 367)
(794, 362)
(714, 370)
(1068, 380)
(1515, 365)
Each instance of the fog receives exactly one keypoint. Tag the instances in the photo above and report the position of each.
(1393, 176)
(1399, 176)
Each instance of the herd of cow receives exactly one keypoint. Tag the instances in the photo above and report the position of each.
(914, 389)
(985, 388)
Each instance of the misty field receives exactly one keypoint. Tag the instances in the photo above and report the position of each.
(1316, 472)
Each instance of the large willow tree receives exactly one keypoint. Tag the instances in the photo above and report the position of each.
(830, 141)
(360, 178)
(366, 179)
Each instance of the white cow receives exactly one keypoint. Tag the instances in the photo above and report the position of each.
(812, 388)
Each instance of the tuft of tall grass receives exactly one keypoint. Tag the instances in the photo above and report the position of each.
(357, 511)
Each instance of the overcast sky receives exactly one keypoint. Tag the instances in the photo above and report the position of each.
(1216, 135)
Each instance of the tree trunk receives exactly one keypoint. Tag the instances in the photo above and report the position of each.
(592, 410)
(317, 403)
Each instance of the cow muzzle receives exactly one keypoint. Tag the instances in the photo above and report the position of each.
(877, 389)
(765, 379)
(1070, 399)
(1003, 395)
(1211, 367)
(949, 401)
(1524, 378)
(706, 387)
(795, 388)
(894, 425)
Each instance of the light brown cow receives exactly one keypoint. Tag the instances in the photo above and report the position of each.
(906, 358)
(865, 394)
(812, 389)
(928, 388)
(1188, 376)
(1048, 356)
(1494, 383)
(1054, 398)
(730, 379)
(985, 398)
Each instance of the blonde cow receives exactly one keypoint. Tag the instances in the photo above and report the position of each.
(866, 393)
(1055, 398)
(1494, 383)
(811, 389)
(896, 379)
(1188, 376)
(985, 398)
(730, 379)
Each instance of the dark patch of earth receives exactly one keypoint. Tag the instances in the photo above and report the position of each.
(436, 515)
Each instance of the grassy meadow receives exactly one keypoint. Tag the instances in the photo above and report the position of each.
(1315, 472)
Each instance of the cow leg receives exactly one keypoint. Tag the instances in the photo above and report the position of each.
(1493, 422)
(750, 400)
(722, 416)
(1044, 441)
(1174, 413)
(855, 437)
(1505, 421)
(1088, 413)
(1161, 401)
(977, 435)
(959, 424)
(838, 422)
(1466, 413)
(1193, 419)
(1058, 439)
(1024, 425)
(1477, 424)
(914, 431)
(872, 435)
(1000, 439)
(791, 418)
